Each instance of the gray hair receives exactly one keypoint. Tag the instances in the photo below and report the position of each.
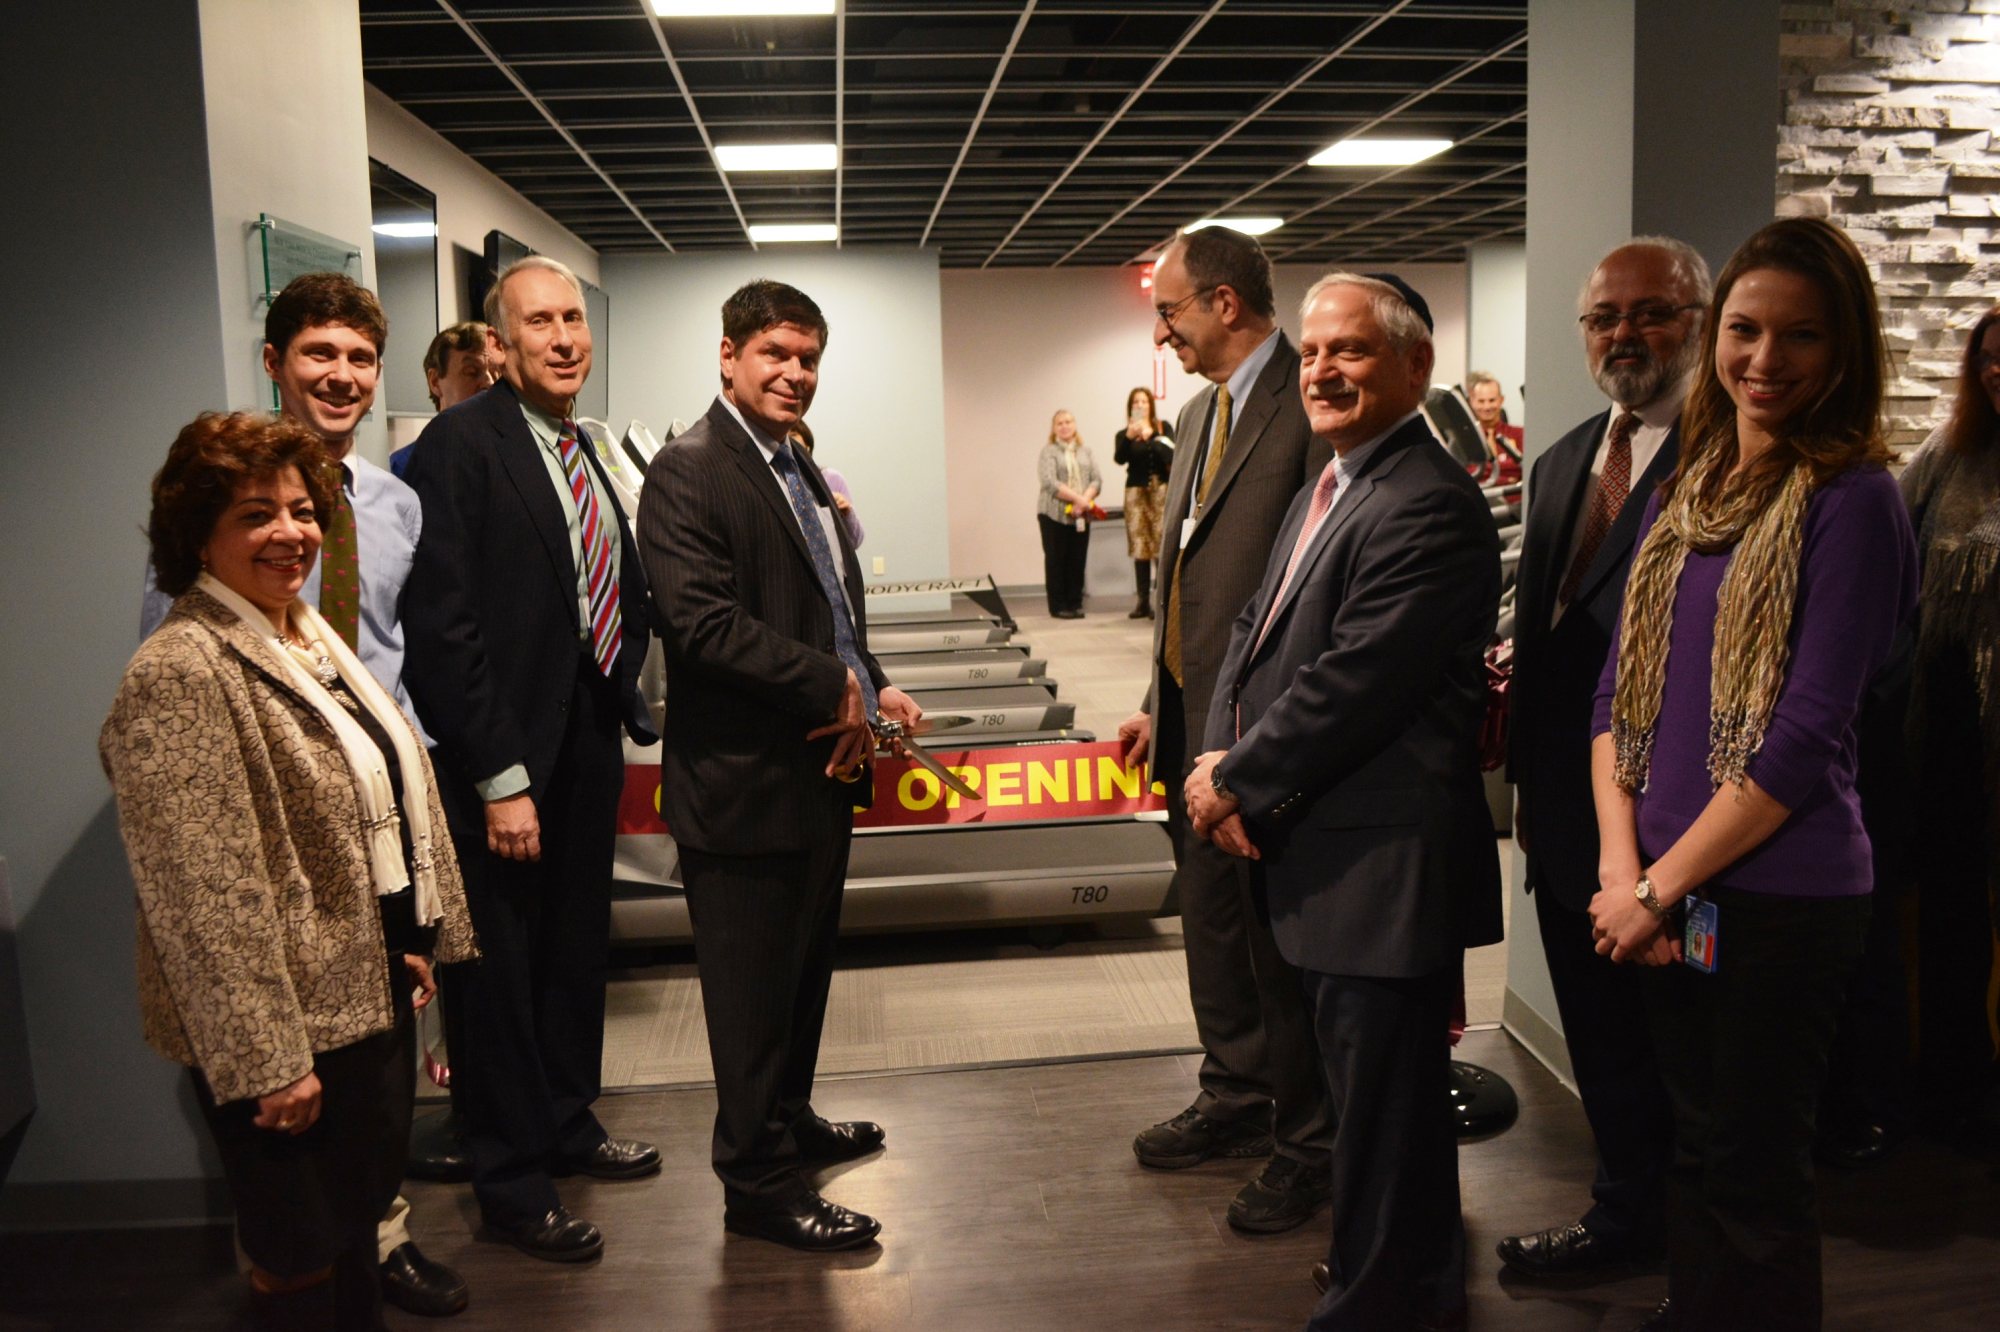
(1689, 268)
(1403, 326)
(496, 305)
(1474, 378)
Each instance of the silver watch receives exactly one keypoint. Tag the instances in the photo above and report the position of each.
(1643, 890)
(1215, 783)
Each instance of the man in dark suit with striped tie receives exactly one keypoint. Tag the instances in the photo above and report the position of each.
(526, 614)
(766, 745)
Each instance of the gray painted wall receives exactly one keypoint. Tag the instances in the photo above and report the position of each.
(108, 139)
(878, 417)
(1705, 112)
(148, 138)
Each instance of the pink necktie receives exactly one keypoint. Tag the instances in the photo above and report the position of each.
(1322, 500)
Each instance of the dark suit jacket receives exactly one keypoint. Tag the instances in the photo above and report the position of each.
(1359, 717)
(1556, 670)
(1272, 454)
(489, 611)
(750, 653)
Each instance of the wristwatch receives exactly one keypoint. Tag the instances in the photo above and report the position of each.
(1643, 890)
(1215, 783)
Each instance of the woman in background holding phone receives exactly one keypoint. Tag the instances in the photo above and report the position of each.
(1147, 455)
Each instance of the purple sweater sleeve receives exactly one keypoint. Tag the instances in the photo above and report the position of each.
(1607, 683)
(1857, 585)
(851, 520)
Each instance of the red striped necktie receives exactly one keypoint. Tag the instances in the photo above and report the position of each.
(1613, 485)
(606, 626)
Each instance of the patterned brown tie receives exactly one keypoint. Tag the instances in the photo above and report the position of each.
(1218, 445)
(340, 572)
(1612, 488)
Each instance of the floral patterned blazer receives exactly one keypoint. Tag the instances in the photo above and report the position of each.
(259, 940)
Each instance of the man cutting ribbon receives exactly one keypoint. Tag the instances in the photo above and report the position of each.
(775, 704)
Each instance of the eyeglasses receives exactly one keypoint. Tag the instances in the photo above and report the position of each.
(1168, 313)
(1644, 318)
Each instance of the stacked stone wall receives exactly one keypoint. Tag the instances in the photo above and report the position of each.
(1888, 130)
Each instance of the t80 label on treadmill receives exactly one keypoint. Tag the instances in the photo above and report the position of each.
(1016, 785)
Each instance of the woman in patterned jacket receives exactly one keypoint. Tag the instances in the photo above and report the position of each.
(292, 867)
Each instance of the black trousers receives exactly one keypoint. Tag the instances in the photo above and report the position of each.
(1259, 1060)
(1743, 1053)
(764, 933)
(1603, 1008)
(1954, 829)
(525, 1021)
(1065, 552)
(311, 1201)
(1398, 1253)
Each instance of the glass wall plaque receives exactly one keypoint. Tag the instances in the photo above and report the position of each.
(290, 250)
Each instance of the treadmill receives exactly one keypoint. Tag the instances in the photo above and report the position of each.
(995, 710)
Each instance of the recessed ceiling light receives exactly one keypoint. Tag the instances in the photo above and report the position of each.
(1378, 152)
(794, 231)
(1249, 226)
(405, 230)
(738, 8)
(775, 156)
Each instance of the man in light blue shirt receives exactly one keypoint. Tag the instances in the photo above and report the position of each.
(326, 376)
(323, 349)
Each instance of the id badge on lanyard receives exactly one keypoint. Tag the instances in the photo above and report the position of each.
(1698, 945)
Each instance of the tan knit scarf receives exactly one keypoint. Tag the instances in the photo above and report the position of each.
(1753, 614)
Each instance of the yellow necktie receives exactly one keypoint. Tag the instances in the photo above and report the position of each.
(1218, 445)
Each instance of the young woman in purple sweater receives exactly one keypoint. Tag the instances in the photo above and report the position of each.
(1774, 570)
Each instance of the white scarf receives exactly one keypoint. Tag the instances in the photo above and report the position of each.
(380, 822)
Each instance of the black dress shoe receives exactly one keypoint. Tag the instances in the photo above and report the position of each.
(1563, 1251)
(557, 1238)
(618, 1158)
(1283, 1198)
(1853, 1147)
(1191, 1137)
(1660, 1320)
(437, 1151)
(1322, 1276)
(415, 1284)
(824, 1140)
(809, 1222)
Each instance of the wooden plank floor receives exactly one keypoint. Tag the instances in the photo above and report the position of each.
(1010, 1199)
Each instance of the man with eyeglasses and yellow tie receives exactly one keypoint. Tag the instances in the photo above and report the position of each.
(1641, 325)
(1246, 450)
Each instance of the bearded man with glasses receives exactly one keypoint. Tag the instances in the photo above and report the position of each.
(1641, 324)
